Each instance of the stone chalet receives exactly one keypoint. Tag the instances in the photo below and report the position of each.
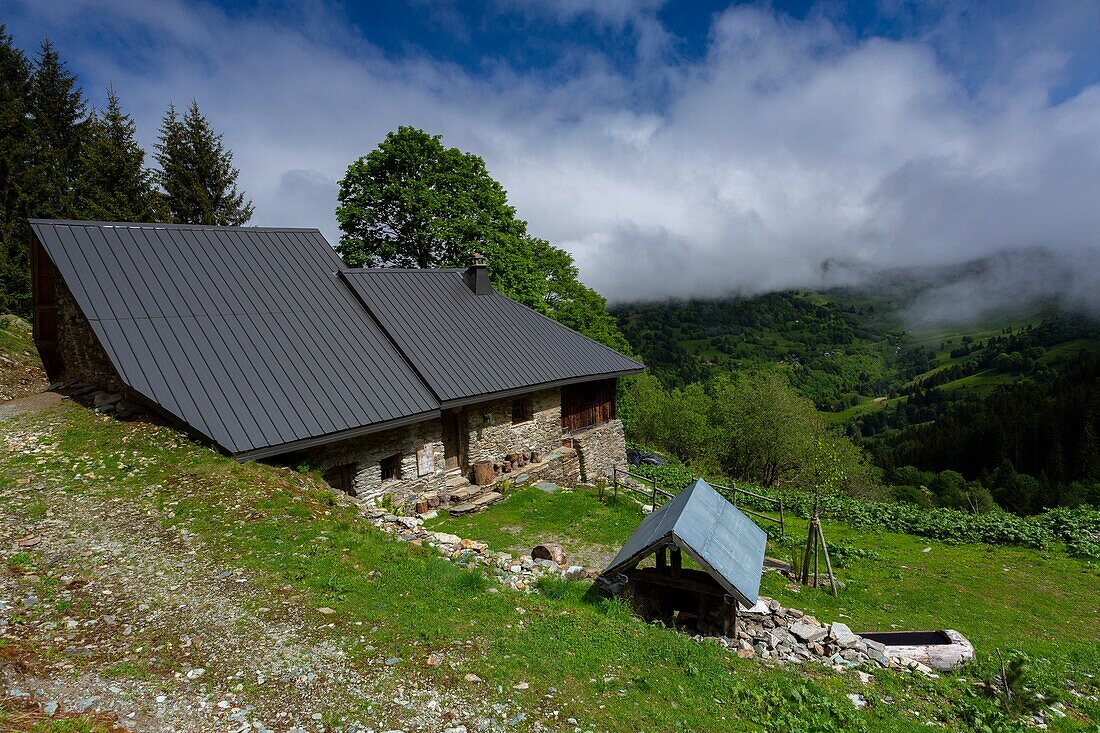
(402, 386)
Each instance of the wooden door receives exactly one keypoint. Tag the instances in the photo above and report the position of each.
(454, 444)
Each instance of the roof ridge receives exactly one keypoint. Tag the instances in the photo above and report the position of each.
(398, 270)
(164, 225)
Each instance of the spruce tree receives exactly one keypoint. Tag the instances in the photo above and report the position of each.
(57, 111)
(197, 173)
(15, 156)
(114, 184)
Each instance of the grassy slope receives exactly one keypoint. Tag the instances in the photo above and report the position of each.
(1043, 604)
(608, 669)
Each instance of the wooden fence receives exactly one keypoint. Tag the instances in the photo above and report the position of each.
(626, 480)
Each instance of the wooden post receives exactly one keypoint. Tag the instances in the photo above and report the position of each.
(662, 558)
(817, 531)
(828, 563)
(677, 562)
(811, 538)
(782, 525)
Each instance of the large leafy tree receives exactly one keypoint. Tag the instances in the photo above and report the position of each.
(114, 184)
(412, 202)
(197, 173)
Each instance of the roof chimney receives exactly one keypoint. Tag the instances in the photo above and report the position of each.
(477, 275)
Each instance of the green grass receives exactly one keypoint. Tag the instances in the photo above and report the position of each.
(528, 517)
(606, 666)
(15, 337)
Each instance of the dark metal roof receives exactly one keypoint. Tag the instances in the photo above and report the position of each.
(244, 334)
(252, 336)
(725, 542)
(466, 345)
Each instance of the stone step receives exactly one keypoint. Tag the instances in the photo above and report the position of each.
(478, 503)
(454, 482)
(465, 493)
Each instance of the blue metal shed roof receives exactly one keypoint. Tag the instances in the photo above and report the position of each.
(715, 533)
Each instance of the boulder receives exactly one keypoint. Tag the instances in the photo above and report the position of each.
(808, 632)
(843, 635)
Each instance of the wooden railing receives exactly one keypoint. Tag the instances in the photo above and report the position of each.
(657, 496)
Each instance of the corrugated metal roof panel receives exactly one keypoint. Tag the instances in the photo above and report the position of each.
(245, 334)
(722, 539)
(467, 346)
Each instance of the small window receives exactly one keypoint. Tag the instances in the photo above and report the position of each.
(521, 410)
(391, 468)
(339, 478)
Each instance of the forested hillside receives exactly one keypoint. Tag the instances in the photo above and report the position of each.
(1001, 411)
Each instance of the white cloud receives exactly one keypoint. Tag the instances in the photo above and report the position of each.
(788, 145)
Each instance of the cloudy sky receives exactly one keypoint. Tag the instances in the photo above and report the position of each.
(675, 148)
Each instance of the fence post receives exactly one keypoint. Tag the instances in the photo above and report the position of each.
(655, 493)
(782, 525)
(734, 494)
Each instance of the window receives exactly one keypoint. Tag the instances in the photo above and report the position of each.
(339, 478)
(586, 404)
(521, 410)
(391, 468)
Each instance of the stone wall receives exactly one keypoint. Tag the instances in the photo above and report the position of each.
(491, 434)
(84, 357)
(365, 454)
(600, 448)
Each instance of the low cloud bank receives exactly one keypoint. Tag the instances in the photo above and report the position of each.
(790, 155)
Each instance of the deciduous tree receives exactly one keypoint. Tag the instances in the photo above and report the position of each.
(414, 203)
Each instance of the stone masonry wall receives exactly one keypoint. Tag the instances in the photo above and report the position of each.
(84, 357)
(367, 452)
(600, 448)
(491, 434)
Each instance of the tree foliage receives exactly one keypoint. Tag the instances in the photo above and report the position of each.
(114, 184)
(42, 121)
(15, 158)
(750, 426)
(412, 202)
(197, 173)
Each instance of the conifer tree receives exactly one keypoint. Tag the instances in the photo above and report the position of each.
(114, 184)
(15, 155)
(57, 111)
(197, 173)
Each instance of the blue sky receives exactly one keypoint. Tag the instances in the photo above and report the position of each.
(749, 143)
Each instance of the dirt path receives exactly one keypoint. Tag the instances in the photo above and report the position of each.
(104, 610)
(31, 403)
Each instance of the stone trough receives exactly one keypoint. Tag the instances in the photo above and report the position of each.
(942, 650)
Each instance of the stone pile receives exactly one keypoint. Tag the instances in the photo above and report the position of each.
(787, 635)
(520, 572)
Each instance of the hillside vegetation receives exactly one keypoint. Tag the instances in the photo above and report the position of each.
(1007, 408)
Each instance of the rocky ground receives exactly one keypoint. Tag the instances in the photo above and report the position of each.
(21, 372)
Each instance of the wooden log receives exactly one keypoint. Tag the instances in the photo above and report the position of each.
(549, 551)
(483, 473)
